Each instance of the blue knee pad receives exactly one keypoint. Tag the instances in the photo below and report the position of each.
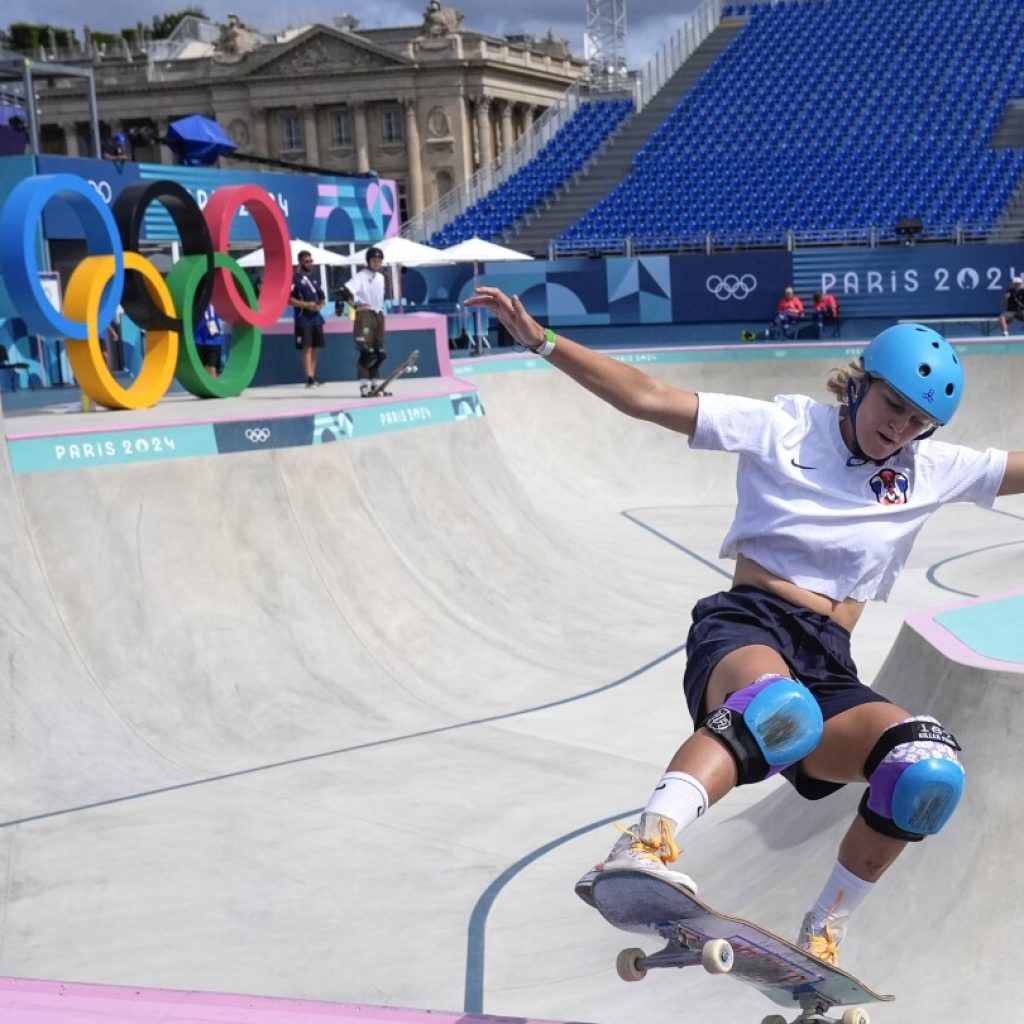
(915, 780)
(767, 726)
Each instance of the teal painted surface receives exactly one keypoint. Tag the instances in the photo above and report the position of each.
(74, 451)
(994, 629)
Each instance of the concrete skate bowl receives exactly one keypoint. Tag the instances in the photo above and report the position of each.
(346, 722)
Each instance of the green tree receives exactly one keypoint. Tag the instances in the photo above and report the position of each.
(165, 24)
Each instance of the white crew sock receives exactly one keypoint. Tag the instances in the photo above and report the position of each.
(679, 797)
(843, 891)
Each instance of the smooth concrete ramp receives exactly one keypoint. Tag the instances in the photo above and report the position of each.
(345, 723)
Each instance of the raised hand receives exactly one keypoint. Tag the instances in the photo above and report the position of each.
(511, 313)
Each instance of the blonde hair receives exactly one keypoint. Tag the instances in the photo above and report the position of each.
(840, 376)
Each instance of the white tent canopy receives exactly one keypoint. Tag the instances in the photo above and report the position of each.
(322, 257)
(402, 252)
(479, 250)
(476, 251)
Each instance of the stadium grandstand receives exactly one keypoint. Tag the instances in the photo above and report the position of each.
(801, 121)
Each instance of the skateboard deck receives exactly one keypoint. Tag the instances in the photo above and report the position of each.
(635, 901)
(407, 365)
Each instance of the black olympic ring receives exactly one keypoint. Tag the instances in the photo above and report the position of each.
(129, 212)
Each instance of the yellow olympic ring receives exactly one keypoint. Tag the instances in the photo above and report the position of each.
(82, 303)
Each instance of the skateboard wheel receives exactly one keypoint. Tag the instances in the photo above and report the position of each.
(856, 1015)
(627, 965)
(717, 956)
(774, 1018)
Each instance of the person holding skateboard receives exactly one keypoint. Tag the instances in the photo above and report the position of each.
(368, 330)
(830, 501)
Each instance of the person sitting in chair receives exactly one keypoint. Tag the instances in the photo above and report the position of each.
(826, 311)
(788, 314)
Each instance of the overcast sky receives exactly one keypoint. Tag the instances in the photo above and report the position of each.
(647, 23)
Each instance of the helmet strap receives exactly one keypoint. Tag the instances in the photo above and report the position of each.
(854, 396)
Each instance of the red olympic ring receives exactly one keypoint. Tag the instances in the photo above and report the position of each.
(277, 281)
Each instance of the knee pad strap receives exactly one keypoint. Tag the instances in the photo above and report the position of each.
(915, 780)
(767, 726)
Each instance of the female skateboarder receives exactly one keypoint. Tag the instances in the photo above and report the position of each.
(830, 500)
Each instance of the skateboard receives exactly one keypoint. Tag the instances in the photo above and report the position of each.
(407, 365)
(697, 934)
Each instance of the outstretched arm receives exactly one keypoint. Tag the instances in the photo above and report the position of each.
(626, 388)
(1013, 478)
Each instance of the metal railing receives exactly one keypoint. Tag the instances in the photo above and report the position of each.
(790, 240)
(677, 50)
(526, 147)
(697, 26)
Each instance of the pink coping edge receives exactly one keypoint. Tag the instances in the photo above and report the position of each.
(27, 1001)
(943, 640)
(795, 346)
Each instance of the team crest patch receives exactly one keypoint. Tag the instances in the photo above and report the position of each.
(890, 487)
(720, 721)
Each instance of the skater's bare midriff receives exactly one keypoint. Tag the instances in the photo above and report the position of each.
(749, 573)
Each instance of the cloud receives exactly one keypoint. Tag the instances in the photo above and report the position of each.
(648, 25)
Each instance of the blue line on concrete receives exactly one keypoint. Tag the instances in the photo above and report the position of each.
(473, 1001)
(932, 574)
(679, 547)
(423, 733)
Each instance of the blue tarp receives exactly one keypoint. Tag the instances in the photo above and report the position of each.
(197, 141)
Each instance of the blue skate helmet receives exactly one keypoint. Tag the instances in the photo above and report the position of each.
(918, 363)
(921, 365)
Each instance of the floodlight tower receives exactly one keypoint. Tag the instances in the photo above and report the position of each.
(604, 43)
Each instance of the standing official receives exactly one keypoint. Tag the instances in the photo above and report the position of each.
(307, 299)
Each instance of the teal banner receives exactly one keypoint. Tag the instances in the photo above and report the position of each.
(75, 451)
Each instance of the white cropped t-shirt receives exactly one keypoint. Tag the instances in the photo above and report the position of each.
(809, 513)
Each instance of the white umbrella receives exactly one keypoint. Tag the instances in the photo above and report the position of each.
(400, 252)
(479, 250)
(476, 251)
(323, 258)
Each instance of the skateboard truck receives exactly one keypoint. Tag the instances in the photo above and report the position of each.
(717, 957)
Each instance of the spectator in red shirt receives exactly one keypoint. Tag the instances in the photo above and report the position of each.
(826, 311)
(788, 315)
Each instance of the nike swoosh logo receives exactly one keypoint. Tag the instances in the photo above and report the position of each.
(662, 786)
(798, 466)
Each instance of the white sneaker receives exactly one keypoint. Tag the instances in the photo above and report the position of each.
(648, 846)
(824, 942)
(364, 389)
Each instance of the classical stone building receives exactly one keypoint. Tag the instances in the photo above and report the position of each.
(426, 105)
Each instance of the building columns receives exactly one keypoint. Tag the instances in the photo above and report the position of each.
(508, 135)
(310, 136)
(412, 146)
(485, 142)
(361, 134)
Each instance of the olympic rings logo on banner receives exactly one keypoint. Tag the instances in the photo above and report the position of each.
(730, 286)
(115, 273)
(258, 435)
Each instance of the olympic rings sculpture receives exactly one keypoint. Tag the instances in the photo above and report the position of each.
(116, 274)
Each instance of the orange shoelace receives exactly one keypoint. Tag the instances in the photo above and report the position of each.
(662, 844)
(824, 946)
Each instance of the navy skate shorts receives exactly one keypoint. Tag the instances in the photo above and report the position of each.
(816, 649)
